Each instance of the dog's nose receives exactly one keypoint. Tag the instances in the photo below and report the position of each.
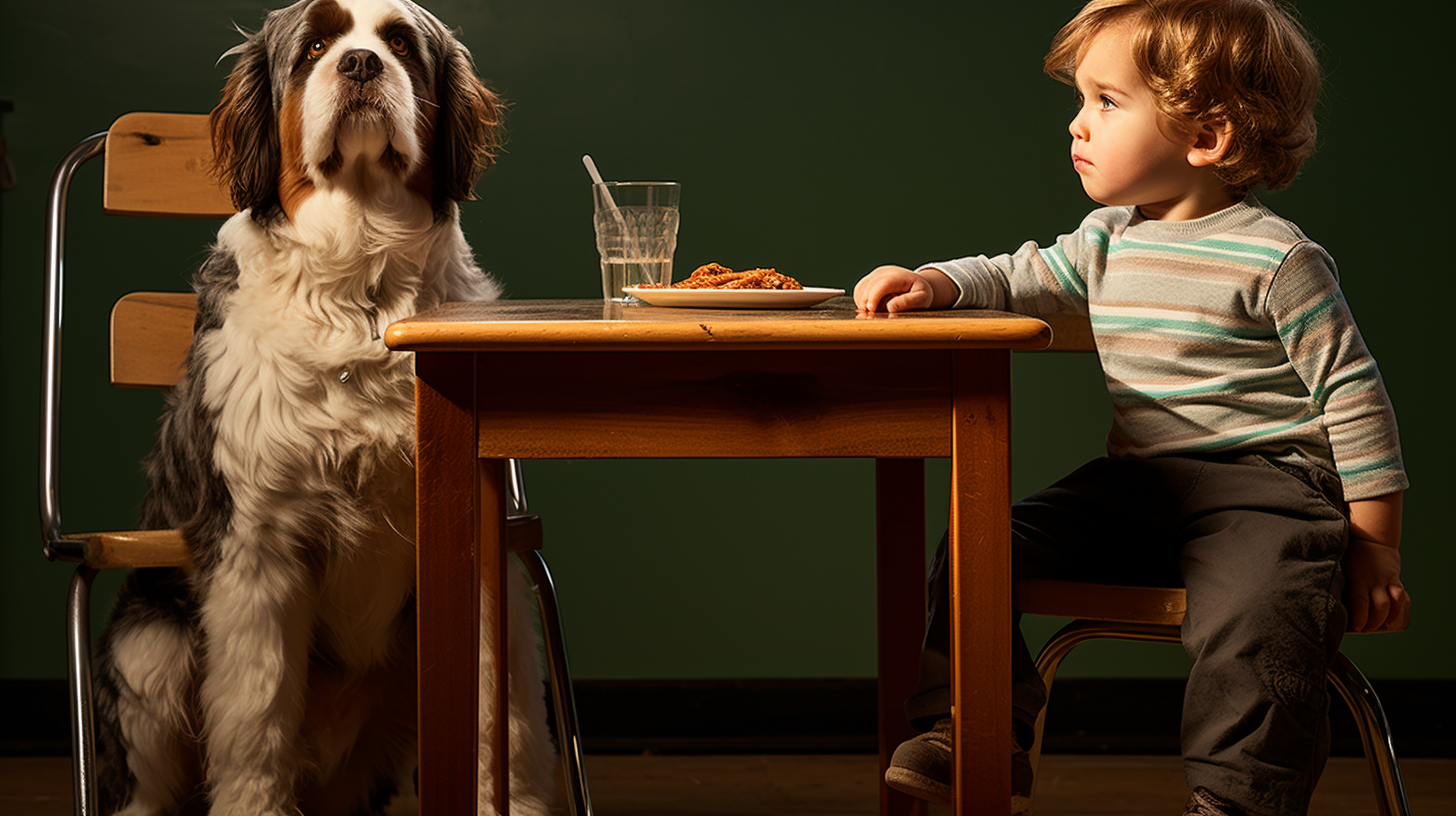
(360, 64)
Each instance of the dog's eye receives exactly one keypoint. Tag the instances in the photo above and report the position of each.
(400, 46)
(317, 48)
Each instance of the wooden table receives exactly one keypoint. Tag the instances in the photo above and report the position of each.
(587, 379)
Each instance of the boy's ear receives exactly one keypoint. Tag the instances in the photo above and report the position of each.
(1211, 141)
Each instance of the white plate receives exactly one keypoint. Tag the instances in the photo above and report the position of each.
(735, 298)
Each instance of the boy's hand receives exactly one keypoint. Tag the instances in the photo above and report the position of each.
(897, 289)
(1373, 584)
(1372, 562)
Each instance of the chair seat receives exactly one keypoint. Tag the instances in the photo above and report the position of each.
(133, 549)
(1124, 604)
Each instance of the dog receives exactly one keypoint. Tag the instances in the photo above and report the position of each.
(276, 675)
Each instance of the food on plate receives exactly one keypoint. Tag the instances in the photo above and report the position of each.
(717, 276)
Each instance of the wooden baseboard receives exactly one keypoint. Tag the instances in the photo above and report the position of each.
(1086, 716)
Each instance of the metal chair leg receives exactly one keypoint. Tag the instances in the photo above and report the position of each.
(83, 730)
(568, 737)
(1069, 637)
(1360, 696)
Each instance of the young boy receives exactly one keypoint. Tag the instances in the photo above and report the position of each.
(1253, 448)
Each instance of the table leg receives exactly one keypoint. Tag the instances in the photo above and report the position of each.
(980, 558)
(447, 582)
(900, 579)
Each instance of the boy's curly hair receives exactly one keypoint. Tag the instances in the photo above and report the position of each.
(1245, 62)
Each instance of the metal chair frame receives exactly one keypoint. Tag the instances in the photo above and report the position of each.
(1353, 688)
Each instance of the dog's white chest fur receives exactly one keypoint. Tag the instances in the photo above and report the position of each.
(298, 372)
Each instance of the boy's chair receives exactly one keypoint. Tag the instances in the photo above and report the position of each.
(156, 165)
(1156, 614)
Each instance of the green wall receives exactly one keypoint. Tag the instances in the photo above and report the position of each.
(819, 137)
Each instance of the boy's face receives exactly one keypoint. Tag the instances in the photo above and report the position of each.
(1119, 146)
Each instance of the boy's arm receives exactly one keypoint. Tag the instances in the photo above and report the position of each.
(1325, 347)
(1033, 280)
(1372, 562)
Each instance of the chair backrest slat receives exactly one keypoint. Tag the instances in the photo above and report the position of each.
(158, 164)
(150, 335)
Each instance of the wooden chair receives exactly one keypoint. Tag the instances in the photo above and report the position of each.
(1156, 614)
(156, 165)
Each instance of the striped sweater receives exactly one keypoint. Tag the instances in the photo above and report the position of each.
(1227, 333)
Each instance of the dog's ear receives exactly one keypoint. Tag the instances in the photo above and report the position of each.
(468, 131)
(245, 155)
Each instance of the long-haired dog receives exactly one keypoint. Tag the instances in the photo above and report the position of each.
(277, 675)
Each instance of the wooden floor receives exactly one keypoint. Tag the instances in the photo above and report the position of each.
(845, 786)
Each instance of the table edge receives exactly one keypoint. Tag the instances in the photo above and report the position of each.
(1003, 331)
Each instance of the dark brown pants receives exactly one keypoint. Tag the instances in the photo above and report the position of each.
(1257, 544)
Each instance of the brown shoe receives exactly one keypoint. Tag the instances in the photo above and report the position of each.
(921, 767)
(1204, 803)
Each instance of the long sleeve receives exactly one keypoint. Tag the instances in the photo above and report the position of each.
(1325, 348)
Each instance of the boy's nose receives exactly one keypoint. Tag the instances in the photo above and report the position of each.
(1077, 127)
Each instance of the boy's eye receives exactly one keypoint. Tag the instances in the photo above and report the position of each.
(1104, 102)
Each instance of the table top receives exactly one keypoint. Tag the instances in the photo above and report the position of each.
(585, 325)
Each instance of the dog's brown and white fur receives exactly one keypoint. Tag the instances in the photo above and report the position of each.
(277, 676)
